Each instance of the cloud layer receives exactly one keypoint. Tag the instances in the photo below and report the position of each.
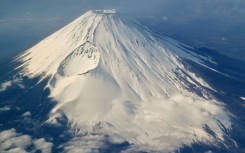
(12, 142)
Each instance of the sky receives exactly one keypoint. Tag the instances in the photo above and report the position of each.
(218, 24)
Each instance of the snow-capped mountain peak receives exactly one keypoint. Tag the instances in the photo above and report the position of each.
(111, 11)
(103, 39)
(111, 75)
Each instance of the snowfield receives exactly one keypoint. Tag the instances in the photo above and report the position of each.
(112, 77)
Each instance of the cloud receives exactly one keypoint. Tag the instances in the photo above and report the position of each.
(43, 146)
(6, 108)
(84, 144)
(26, 114)
(5, 85)
(153, 125)
(16, 81)
(170, 123)
(165, 18)
(12, 142)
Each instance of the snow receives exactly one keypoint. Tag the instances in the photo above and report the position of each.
(112, 11)
(80, 61)
(110, 75)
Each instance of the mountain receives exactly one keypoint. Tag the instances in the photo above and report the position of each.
(114, 81)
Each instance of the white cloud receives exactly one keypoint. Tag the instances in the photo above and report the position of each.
(84, 144)
(165, 18)
(43, 146)
(12, 142)
(4, 109)
(26, 114)
(154, 125)
(15, 150)
(5, 85)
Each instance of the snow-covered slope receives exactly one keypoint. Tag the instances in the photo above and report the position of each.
(110, 76)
